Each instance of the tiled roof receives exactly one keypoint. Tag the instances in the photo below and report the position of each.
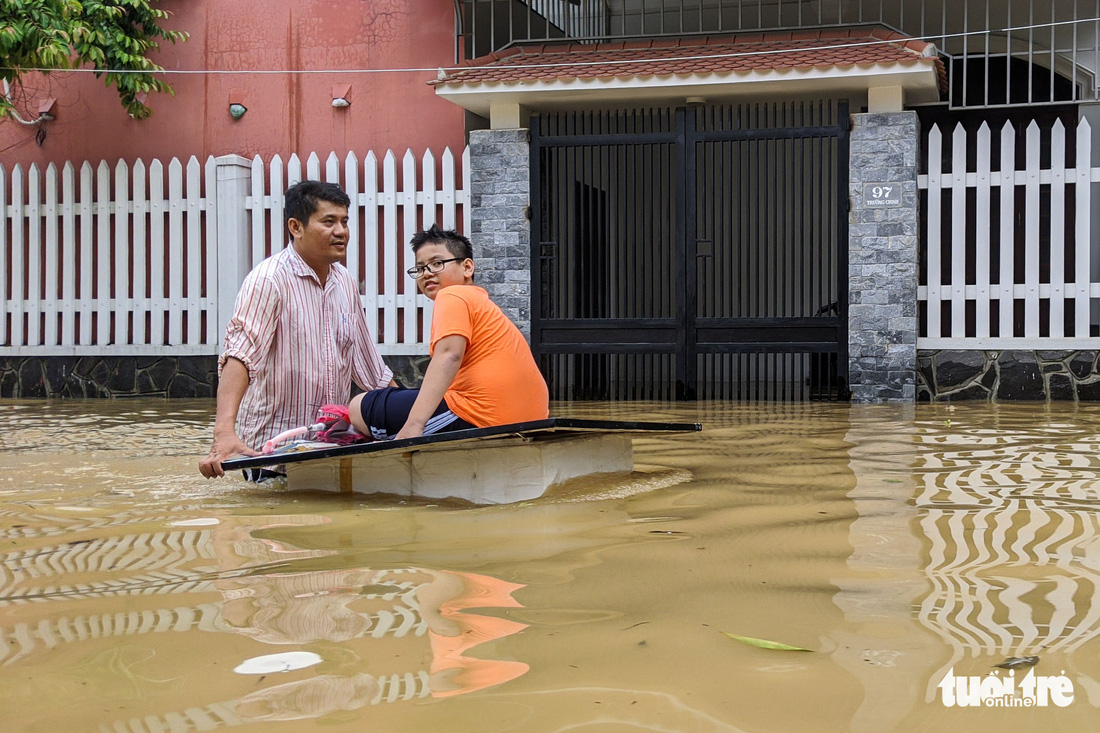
(803, 49)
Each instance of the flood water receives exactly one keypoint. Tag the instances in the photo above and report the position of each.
(897, 544)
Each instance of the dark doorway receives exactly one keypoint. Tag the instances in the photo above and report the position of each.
(592, 266)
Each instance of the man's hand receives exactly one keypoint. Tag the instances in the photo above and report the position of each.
(225, 446)
(232, 383)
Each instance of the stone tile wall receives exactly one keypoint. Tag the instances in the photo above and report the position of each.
(107, 376)
(500, 196)
(942, 376)
(137, 376)
(882, 260)
(1002, 376)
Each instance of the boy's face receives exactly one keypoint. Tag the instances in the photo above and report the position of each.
(453, 273)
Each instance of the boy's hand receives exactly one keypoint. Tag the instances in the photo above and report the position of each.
(409, 430)
(447, 358)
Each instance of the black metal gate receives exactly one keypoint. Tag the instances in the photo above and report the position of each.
(696, 253)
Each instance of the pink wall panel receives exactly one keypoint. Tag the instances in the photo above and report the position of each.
(287, 113)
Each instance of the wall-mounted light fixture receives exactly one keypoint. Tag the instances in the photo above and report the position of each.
(340, 93)
(238, 103)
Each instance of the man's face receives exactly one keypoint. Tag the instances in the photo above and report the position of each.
(324, 240)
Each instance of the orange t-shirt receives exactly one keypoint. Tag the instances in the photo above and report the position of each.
(498, 382)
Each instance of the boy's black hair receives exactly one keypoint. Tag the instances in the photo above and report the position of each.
(302, 198)
(455, 243)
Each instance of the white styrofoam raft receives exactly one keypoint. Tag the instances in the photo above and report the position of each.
(484, 472)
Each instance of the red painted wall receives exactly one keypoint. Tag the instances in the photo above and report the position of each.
(287, 113)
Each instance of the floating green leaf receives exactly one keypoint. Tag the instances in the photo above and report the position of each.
(765, 644)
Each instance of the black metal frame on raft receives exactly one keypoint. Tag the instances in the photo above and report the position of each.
(533, 430)
(692, 253)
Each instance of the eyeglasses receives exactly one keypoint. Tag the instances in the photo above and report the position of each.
(434, 267)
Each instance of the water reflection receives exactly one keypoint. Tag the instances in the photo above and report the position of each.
(1008, 513)
(994, 555)
(268, 594)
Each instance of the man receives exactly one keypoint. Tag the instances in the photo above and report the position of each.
(298, 336)
(481, 373)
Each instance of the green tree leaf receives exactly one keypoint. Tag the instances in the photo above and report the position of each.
(111, 35)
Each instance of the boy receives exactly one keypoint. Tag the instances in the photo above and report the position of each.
(481, 373)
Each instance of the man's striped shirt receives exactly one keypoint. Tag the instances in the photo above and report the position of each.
(302, 343)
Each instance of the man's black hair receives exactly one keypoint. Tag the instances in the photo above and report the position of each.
(302, 198)
(455, 243)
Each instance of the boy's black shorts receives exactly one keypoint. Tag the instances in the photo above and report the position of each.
(386, 410)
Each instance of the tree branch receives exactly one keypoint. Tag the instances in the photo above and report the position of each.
(15, 115)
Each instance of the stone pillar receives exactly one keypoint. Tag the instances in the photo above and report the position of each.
(883, 236)
(500, 182)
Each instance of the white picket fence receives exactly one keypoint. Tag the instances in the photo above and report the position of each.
(1020, 260)
(147, 260)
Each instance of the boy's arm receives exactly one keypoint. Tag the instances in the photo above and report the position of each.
(446, 359)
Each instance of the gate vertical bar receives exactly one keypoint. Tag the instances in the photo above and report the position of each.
(684, 238)
(843, 142)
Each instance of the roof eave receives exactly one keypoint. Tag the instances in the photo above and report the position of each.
(919, 80)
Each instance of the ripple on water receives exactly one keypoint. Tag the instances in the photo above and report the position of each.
(895, 541)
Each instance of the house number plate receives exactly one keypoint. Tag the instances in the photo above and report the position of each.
(881, 195)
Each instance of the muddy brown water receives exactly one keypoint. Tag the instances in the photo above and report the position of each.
(897, 543)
